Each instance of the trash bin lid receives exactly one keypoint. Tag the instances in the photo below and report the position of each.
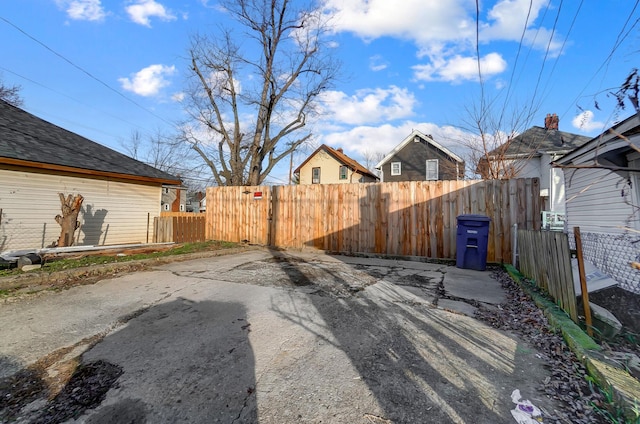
(473, 217)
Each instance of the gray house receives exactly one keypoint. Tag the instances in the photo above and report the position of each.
(529, 155)
(420, 158)
(38, 160)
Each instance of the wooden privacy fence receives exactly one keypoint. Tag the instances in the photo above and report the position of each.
(179, 229)
(545, 257)
(415, 218)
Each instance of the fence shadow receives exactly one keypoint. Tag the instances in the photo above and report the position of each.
(419, 363)
(180, 361)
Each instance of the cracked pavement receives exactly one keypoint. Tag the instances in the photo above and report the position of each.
(285, 337)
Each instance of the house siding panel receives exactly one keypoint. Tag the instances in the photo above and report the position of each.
(414, 158)
(113, 212)
(330, 171)
(594, 200)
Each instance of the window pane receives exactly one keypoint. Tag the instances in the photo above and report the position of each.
(432, 169)
(343, 172)
(396, 168)
(315, 176)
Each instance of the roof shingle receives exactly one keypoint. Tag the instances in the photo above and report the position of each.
(26, 137)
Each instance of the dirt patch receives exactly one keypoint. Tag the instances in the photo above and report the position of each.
(568, 382)
(24, 395)
(86, 389)
(625, 305)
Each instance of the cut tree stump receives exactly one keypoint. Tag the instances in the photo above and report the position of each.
(68, 221)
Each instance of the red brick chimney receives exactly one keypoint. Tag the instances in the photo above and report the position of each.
(551, 122)
(340, 150)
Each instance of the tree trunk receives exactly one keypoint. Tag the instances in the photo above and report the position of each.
(69, 219)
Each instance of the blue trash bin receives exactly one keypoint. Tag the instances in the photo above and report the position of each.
(472, 240)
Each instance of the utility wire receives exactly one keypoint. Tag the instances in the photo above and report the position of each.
(75, 100)
(90, 75)
(619, 40)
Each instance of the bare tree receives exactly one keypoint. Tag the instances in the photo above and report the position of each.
(10, 94)
(371, 159)
(168, 153)
(254, 92)
(491, 149)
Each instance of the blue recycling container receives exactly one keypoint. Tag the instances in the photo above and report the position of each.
(472, 241)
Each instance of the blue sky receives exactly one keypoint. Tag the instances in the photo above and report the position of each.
(104, 69)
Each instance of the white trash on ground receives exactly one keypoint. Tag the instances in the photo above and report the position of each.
(525, 412)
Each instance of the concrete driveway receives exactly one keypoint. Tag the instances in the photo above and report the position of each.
(282, 337)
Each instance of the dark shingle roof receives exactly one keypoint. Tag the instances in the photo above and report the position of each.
(26, 137)
(538, 140)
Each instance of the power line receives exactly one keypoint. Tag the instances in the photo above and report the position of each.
(76, 100)
(90, 75)
(546, 53)
(619, 40)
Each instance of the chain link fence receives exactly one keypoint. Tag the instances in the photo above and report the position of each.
(618, 255)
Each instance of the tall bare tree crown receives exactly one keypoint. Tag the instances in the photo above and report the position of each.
(255, 86)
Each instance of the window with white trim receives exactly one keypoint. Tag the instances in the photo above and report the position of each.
(396, 168)
(343, 172)
(315, 176)
(432, 170)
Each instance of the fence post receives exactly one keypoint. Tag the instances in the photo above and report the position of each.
(514, 245)
(583, 281)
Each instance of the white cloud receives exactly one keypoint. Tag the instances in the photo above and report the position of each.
(460, 68)
(368, 105)
(83, 10)
(444, 31)
(382, 139)
(377, 63)
(410, 19)
(142, 10)
(585, 121)
(148, 81)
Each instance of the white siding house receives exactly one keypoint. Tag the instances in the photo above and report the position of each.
(601, 184)
(602, 179)
(38, 160)
(530, 154)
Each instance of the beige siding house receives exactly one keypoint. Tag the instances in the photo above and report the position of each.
(38, 160)
(331, 166)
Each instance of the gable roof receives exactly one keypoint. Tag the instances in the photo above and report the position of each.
(26, 140)
(340, 157)
(537, 140)
(613, 141)
(426, 138)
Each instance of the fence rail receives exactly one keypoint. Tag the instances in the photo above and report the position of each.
(179, 229)
(405, 218)
(545, 258)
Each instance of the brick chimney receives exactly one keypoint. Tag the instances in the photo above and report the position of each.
(551, 122)
(340, 150)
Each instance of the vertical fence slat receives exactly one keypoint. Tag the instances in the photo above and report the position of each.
(410, 218)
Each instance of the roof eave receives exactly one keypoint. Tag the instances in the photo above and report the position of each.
(82, 171)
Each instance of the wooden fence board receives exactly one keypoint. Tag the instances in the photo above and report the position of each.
(406, 218)
(545, 258)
